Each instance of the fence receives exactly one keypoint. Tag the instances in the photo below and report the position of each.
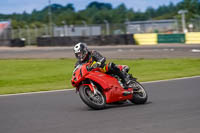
(30, 35)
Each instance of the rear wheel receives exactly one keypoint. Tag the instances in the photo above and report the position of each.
(95, 101)
(140, 95)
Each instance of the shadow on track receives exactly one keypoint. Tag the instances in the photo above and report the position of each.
(113, 106)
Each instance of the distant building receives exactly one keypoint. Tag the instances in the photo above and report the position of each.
(89, 30)
(152, 26)
(5, 33)
(4, 26)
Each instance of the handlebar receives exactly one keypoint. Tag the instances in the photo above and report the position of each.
(89, 68)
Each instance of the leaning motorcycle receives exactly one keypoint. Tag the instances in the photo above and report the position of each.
(96, 89)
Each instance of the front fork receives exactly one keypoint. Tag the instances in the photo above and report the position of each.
(92, 87)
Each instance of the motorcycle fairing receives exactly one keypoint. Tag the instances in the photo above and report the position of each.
(112, 89)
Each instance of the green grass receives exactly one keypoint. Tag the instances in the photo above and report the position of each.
(18, 76)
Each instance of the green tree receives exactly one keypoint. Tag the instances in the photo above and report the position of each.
(192, 6)
(97, 12)
(99, 6)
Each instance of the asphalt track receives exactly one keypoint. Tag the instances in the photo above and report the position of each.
(113, 51)
(173, 107)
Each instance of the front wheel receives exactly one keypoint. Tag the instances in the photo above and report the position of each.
(95, 101)
(140, 95)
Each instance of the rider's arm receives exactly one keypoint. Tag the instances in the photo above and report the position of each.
(76, 64)
(98, 58)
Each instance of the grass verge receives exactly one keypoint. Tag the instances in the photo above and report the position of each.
(18, 76)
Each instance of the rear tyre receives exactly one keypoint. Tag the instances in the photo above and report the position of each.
(140, 95)
(94, 101)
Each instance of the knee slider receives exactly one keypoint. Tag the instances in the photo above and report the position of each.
(111, 66)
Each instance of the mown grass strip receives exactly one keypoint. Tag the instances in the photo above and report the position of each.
(18, 76)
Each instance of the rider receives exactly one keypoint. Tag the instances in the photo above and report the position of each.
(97, 60)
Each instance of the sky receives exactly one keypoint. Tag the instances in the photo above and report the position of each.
(19, 6)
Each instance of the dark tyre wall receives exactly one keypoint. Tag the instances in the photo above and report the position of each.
(13, 43)
(91, 40)
(5, 42)
(17, 43)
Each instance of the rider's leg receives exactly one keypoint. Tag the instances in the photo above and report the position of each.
(111, 67)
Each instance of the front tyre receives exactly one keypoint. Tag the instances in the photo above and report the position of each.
(95, 101)
(140, 95)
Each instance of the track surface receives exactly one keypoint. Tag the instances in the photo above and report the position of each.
(119, 51)
(173, 107)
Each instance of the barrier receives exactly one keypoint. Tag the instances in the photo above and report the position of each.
(90, 40)
(17, 42)
(5, 42)
(192, 38)
(146, 39)
(171, 38)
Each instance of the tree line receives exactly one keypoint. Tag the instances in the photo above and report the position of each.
(97, 13)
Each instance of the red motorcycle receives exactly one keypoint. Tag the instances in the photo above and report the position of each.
(97, 89)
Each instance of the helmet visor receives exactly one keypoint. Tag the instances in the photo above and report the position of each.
(80, 55)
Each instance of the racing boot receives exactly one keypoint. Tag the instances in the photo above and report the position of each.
(125, 79)
(123, 75)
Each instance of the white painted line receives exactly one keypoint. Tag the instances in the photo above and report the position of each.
(30, 93)
(195, 50)
(157, 81)
(166, 49)
(119, 50)
(40, 92)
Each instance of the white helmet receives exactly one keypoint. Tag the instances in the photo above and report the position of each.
(81, 51)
